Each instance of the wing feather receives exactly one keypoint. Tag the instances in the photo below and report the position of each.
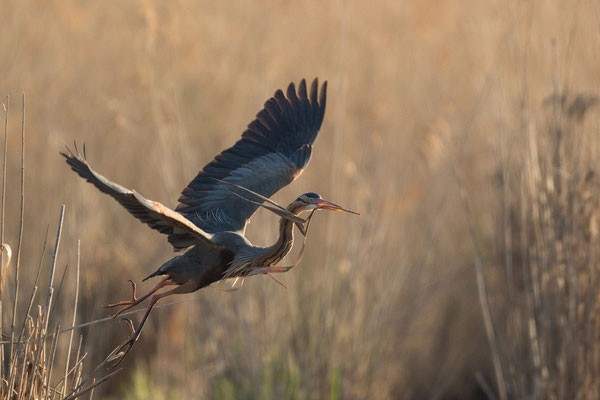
(273, 151)
(181, 232)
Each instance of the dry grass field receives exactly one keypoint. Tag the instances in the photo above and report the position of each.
(466, 133)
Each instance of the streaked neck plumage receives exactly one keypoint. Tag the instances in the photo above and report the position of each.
(285, 241)
(251, 257)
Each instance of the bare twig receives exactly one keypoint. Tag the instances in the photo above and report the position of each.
(263, 198)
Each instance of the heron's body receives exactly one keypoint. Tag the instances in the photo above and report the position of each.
(238, 257)
(216, 206)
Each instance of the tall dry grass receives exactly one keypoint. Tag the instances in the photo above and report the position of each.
(28, 346)
(545, 293)
(434, 108)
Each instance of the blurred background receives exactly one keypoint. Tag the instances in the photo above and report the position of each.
(465, 133)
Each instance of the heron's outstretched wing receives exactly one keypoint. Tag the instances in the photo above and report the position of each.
(272, 152)
(180, 231)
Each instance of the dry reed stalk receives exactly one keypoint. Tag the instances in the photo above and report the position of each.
(49, 366)
(3, 268)
(92, 389)
(56, 296)
(21, 219)
(77, 371)
(39, 355)
(33, 355)
(551, 327)
(53, 265)
(29, 306)
(6, 106)
(74, 319)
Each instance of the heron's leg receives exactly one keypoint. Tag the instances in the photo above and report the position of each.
(127, 304)
(126, 347)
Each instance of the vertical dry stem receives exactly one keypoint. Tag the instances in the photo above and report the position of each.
(21, 220)
(3, 268)
(64, 389)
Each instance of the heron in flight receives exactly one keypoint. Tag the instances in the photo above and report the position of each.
(216, 206)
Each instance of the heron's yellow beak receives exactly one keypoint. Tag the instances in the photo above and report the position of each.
(327, 205)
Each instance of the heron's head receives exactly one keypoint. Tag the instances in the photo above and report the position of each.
(310, 201)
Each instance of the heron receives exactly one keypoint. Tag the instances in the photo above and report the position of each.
(215, 207)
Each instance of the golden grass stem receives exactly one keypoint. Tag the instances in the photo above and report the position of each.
(53, 265)
(92, 391)
(21, 221)
(74, 318)
(28, 344)
(50, 363)
(46, 312)
(58, 291)
(3, 200)
(75, 381)
(73, 368)
(3, 268)
(28, 311)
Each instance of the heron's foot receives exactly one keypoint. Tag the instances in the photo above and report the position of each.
(126, 304)
(120, 352)
(269, 270)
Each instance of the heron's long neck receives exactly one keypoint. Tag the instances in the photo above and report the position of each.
(284, 242)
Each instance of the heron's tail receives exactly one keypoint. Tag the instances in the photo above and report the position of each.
(152, 275)
(165, 268)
